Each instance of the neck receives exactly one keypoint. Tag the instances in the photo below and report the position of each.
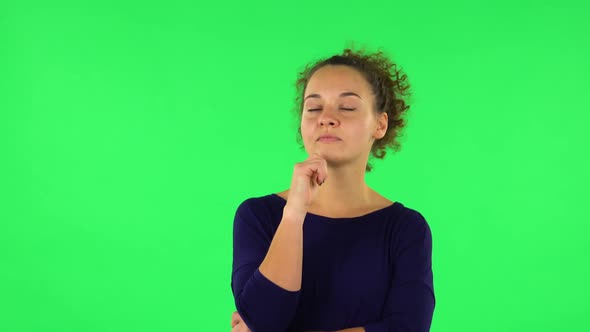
(344, 189)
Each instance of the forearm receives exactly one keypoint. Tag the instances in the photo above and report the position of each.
(284, 260)
(354, 329)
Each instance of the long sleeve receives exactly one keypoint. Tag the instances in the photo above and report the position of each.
(263, 305)
(410, 301)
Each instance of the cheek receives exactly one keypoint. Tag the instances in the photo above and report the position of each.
(305, 131)
(361, 131)
(307, 125)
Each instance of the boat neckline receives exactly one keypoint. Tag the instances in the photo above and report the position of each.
(364, 216)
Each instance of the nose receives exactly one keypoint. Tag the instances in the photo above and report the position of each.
(327, 118)
(327, 122)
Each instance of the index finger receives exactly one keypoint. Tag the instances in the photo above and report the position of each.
(316, 154)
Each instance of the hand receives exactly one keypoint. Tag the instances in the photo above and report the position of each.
(238, 324)
(307, 177)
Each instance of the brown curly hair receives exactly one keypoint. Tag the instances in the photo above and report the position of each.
(388, 84)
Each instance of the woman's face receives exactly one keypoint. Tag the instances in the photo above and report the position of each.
(339, 101)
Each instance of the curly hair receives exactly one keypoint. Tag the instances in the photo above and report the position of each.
(389, 86)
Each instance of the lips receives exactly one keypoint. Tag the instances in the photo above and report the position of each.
(328, 138)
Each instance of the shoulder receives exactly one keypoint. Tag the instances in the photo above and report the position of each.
(259, 203)
(412, 224)
(401, 221)
(261, 209)
(412, 216)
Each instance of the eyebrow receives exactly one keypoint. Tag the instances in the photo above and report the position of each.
(343, 94)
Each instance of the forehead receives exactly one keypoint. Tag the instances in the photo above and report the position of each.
(337, 78)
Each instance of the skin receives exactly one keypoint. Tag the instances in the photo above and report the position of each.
(344, 192)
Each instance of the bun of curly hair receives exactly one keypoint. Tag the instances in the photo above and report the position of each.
(388, 84)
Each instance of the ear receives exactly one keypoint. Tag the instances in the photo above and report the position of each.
(381, 125)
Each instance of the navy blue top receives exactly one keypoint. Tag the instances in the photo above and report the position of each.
(373, 271)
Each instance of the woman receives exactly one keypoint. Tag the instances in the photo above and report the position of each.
(330, 253)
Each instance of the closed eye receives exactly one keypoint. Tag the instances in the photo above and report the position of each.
(319, 109)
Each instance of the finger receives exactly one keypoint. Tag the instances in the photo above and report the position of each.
(238, 328)
(315, 169)
(314, 179)
(320, 168)
(235, 319)
(316, 155)
(310, 168)
(241, 327)
(319, 173)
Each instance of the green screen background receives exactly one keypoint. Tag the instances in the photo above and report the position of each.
(131, 131)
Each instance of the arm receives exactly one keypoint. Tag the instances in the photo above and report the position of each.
(266, 277)
(411, 299)
(284, 261)
(354, 329)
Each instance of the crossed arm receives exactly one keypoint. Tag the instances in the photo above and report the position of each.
(236, 319)
(410, 303)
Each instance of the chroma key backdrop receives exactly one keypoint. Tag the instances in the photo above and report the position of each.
(130, 131)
